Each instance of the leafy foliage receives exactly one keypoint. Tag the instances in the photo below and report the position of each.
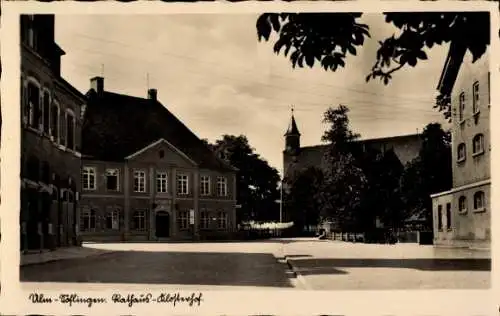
(328, 38)
(304, 201)
(344, 179)
(257, 182)
(430, 172)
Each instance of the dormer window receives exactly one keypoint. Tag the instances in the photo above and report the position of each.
(161, 154)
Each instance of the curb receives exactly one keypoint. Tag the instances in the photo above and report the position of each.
(297, 274)
(63, 259)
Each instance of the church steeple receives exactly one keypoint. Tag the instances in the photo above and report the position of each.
(292, 136)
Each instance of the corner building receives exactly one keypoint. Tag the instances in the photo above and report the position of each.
(146, 176)
(50, 141)
(462, 216)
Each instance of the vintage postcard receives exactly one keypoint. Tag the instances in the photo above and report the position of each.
(279, 158)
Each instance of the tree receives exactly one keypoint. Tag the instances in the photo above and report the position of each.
(303, 201)
(430, 172)
(344, 180)
(256, 183)
(328, 38)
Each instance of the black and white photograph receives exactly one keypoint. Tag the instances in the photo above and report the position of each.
(270, 150)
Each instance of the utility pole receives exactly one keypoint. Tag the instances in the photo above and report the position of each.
(281, 200)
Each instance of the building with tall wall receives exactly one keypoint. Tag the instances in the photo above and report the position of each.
(462, 216)
(50, 140)
(146, 176)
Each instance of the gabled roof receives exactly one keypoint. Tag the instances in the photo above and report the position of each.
(451, 68)
(117, 126)
(154, 144)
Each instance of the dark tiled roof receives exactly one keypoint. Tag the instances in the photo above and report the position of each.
(117, 126)
(404, 146)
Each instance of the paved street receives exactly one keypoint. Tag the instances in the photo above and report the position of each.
(330, 265)
(183, 265)
(321, 265)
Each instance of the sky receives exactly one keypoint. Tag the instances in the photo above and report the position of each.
(211, 71)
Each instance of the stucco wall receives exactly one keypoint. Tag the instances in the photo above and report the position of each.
(474, 168)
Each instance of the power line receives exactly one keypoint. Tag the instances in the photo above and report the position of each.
(247, 70)
(359, 103)
(311, 106)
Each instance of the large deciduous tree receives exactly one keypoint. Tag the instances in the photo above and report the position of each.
(326, 39)
(303, 200)
(257, 181)
(430, 172)
(344, 180)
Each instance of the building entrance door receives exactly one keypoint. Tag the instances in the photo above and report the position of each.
(162, 224)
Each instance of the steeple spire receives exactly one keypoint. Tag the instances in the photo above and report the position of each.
(292, 126)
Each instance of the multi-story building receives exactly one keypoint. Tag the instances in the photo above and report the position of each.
(50, 140)
(462, 216)
(146, 176)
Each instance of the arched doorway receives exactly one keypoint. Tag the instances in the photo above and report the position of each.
(162, 224)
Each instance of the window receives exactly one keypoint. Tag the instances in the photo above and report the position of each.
(182, 184)
(440, 217)
(62, 126)
(204, 219)
(70, 130)
(205, 185)
(478, 144)
(46, 112)
(461, 152)
(161, 154)
(45, 177)
(112, 179)
(33, 111)
(139, 220)
(139, 181)
(161, 182)
(89, 178)
(462, 204)
(448, 216)
(221, 220)
(88, 220)
(221, 186)
(479, 200)
(31, 32)
(475, 101)
(183, 219)
(54, 122)
(461, 108)
(113, 219)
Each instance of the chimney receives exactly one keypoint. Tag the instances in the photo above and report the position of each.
(152, 94)
(97, 83)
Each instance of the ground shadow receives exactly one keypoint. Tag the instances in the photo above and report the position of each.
(165, 267)
(320, 270)
(312, 266)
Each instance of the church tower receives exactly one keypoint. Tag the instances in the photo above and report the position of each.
(292, 145)
(292, 137)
